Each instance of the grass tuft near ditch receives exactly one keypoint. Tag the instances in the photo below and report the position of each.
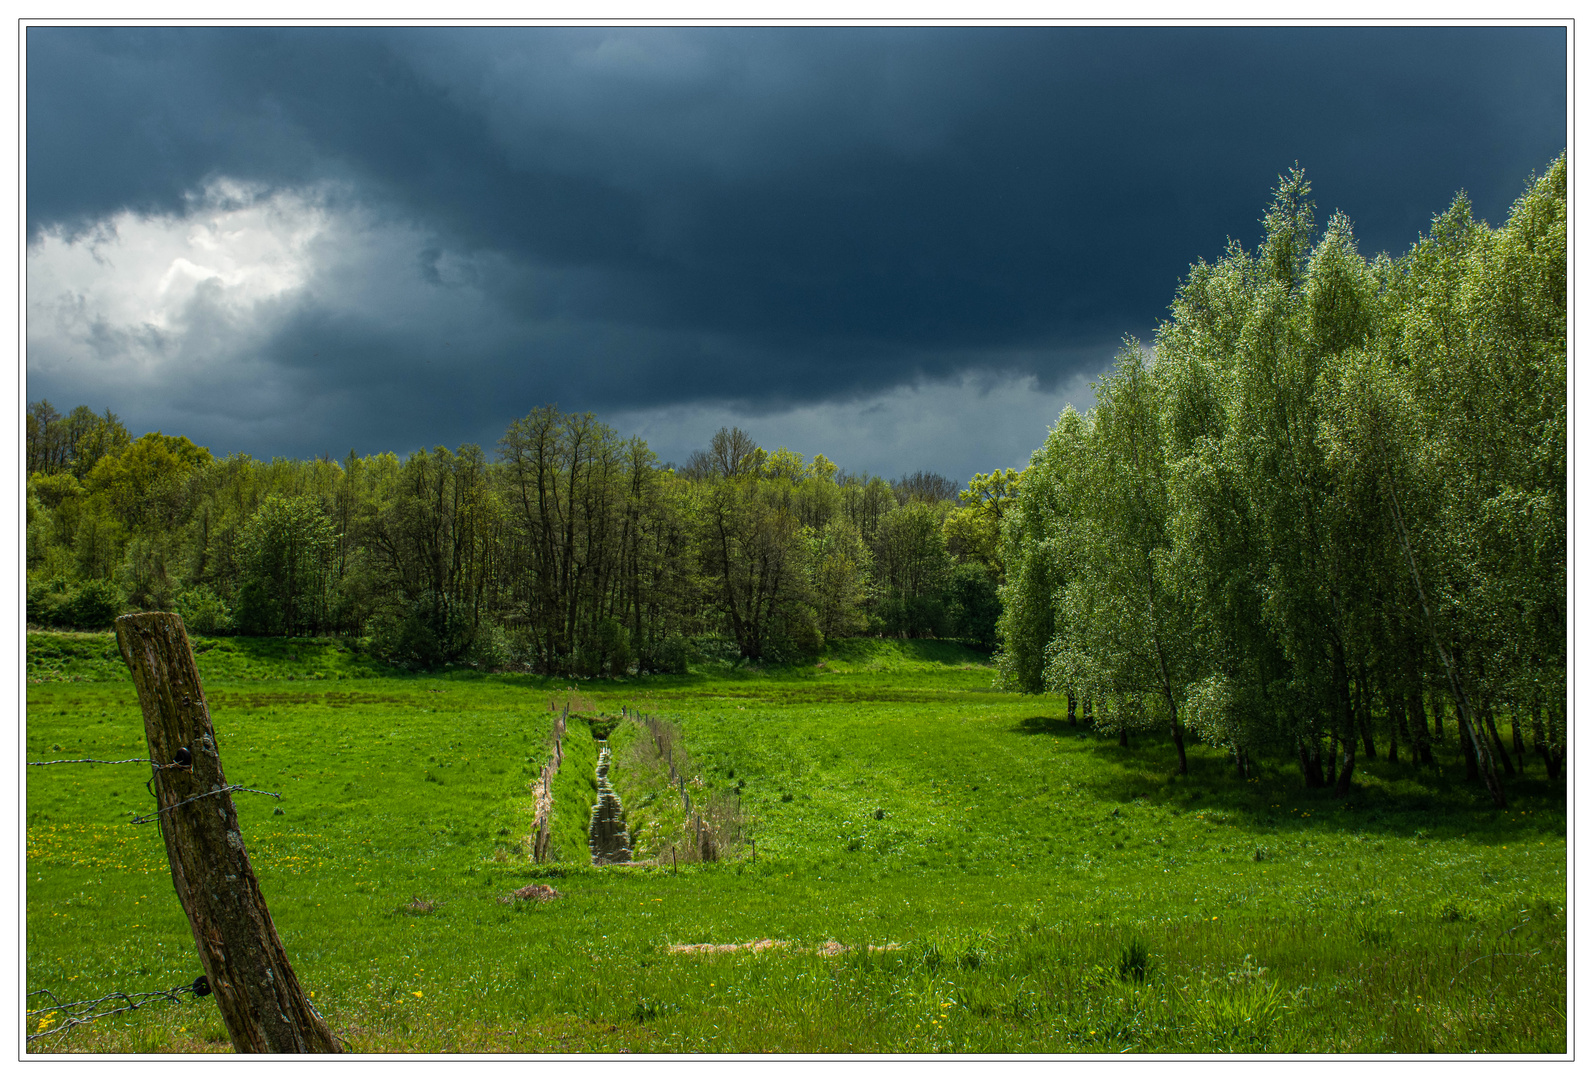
(943, 867)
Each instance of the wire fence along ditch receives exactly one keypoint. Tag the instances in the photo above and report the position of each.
(542, 790)
(716, 828)
(60, 1018)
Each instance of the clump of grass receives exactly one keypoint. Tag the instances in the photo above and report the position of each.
(1134, 963)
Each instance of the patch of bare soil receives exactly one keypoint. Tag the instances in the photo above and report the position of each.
(706, 947)
(835, 948)
(829, 948)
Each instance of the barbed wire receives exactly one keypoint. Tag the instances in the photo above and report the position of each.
(78, 1013)
(74, 1014)
(98, 761)
(184, 761)
(147, 818)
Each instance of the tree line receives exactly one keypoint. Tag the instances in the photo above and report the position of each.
(1323, 514)
(569, 550)
(1326, 511)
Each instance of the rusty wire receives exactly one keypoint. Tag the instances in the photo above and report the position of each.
(98, 761)
(147, 818)
(78, 1013)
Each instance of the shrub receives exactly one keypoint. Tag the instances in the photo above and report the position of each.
(203, 611)
(972, 604)
(85, 605)
(715, 648)
(43, 599)
(671, 655)
(607, 649)
(490, 649)
(424, 632)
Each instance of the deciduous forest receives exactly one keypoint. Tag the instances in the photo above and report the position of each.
(1328, 508)
(571, 550)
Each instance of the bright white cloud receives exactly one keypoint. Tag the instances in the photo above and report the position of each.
(179, 321)
(233, 251)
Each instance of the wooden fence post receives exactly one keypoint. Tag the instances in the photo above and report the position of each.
(260, 1000)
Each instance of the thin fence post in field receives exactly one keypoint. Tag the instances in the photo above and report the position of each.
(261, 1002)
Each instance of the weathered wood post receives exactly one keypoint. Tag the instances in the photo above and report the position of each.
(260, 1000)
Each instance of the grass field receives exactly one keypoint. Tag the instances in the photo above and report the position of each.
(945, 867)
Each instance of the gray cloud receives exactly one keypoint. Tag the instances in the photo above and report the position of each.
(720, 221)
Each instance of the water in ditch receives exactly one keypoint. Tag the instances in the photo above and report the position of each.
(610, 838)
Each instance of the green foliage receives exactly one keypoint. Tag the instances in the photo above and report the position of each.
(1333, 504)
(973, 529)
(203, 611)
(1134, 962)
(71, 445)
(139, 484)
(426, 632)
(1040, 539)
(490, 649)
(608, 649)
(671, 656)
(285, 555)
(994, 872)
(973, 605)
(84, 605)
(53, 489)
(575, 551)
(913, 566)
(841, 571)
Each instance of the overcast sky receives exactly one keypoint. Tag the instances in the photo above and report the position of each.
(904, 248)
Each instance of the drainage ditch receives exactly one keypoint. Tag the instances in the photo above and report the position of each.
(610, 837)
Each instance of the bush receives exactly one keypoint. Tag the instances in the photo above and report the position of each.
(43, 599)
(203, 611)
(914, 616)
(972, 605)
(490, 649)
(794, 638)
(84, 605)
(425, 633)
(715, 648)
(671, 656)
(607, 650)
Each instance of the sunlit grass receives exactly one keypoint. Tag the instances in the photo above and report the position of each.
(896, 801)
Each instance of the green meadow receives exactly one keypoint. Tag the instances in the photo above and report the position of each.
(939, 867)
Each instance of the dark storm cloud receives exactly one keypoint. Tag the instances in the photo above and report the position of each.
(775, 215)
